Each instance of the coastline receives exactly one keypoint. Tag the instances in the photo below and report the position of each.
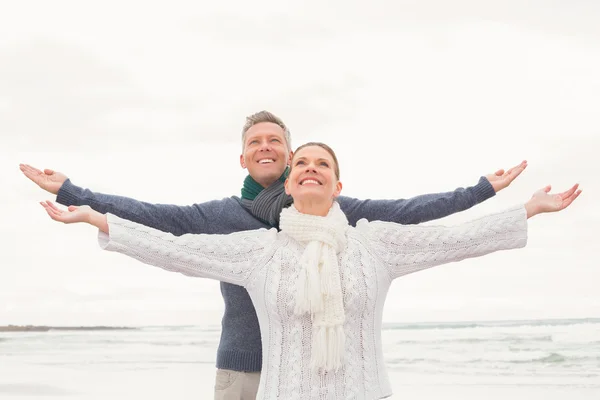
(43, 328)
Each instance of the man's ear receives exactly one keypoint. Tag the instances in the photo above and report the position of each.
(338, 189)
(242, 162)
(285, 185)
(290, 158)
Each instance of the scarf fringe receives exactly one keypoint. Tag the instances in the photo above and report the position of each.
(328, 345)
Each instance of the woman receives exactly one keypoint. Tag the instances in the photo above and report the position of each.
(319, 285)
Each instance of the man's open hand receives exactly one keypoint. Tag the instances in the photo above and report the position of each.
(49, 180)
(501, 179)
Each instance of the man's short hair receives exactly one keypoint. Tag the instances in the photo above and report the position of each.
(266, 116)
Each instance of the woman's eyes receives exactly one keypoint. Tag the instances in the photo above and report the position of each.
(322, 163)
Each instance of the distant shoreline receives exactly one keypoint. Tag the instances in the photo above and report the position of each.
(385, 325)
(42, 328)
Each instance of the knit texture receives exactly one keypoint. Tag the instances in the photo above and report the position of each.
(318, 288)
(251, 188)
(266, 204)
(240, 342)
(267, 264)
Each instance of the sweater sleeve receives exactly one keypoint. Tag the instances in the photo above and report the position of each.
(408, 249)
(417, 209)
(197, 218)
(229, 258)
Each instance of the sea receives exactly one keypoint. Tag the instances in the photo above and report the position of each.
(535, 359)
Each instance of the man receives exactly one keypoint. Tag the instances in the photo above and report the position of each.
(266, 153)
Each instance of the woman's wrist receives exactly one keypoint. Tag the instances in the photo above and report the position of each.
(98, 220)
(531, 208)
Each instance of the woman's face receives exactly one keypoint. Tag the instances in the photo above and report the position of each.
(313, 176)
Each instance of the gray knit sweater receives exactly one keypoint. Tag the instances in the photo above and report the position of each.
(240, 344)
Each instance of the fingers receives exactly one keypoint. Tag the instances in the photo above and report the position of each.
(53, 206)
(569, 193)
(545, 190)
(567, 202)
(48, 171)
(29, 168)
(54, 213)
(30, 172)
(522, 165)
(516, 171)
(500, 172)
(49, 206)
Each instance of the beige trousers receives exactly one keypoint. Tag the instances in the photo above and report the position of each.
(236, 385)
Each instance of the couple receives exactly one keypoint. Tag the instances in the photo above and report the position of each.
(318, 285)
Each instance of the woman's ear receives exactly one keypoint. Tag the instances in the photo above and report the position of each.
(285, 185)
(338, 189)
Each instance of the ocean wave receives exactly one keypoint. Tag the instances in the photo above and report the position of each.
(166, 343)
(489, 324)
(551, 358)
(474, 340)
(179, 344)
(178, 328)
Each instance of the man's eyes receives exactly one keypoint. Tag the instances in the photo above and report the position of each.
(255, 141)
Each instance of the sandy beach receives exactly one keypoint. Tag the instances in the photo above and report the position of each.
(527, 360)
(196, 383)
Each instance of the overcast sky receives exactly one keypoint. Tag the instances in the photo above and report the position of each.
(415, 96)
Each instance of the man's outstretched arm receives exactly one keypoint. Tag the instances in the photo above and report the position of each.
(165, 217)
(429, 207)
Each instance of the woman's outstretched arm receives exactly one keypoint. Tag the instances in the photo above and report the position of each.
(229, 258)
(406, 249)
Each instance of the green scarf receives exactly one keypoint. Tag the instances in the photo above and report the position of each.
(266, 203)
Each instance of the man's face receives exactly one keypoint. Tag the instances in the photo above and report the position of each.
(266, 154)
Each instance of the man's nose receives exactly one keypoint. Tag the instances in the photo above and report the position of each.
(265, 145)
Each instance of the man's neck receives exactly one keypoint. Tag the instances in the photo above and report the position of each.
(267, 183)
(252, 187)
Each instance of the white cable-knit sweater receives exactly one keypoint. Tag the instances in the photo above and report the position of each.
(265, 262)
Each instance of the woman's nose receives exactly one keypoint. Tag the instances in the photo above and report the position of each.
(311, 168)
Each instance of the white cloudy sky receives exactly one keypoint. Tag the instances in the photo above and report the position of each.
(147, 100)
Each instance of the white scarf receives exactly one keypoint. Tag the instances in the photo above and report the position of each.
(319, 288)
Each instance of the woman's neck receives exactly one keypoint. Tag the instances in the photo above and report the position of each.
(313, 207)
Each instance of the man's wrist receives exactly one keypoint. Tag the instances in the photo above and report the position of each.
(483, 190)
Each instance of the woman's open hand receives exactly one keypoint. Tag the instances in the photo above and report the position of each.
(76, 214)
(543, 202)
(72, 215)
